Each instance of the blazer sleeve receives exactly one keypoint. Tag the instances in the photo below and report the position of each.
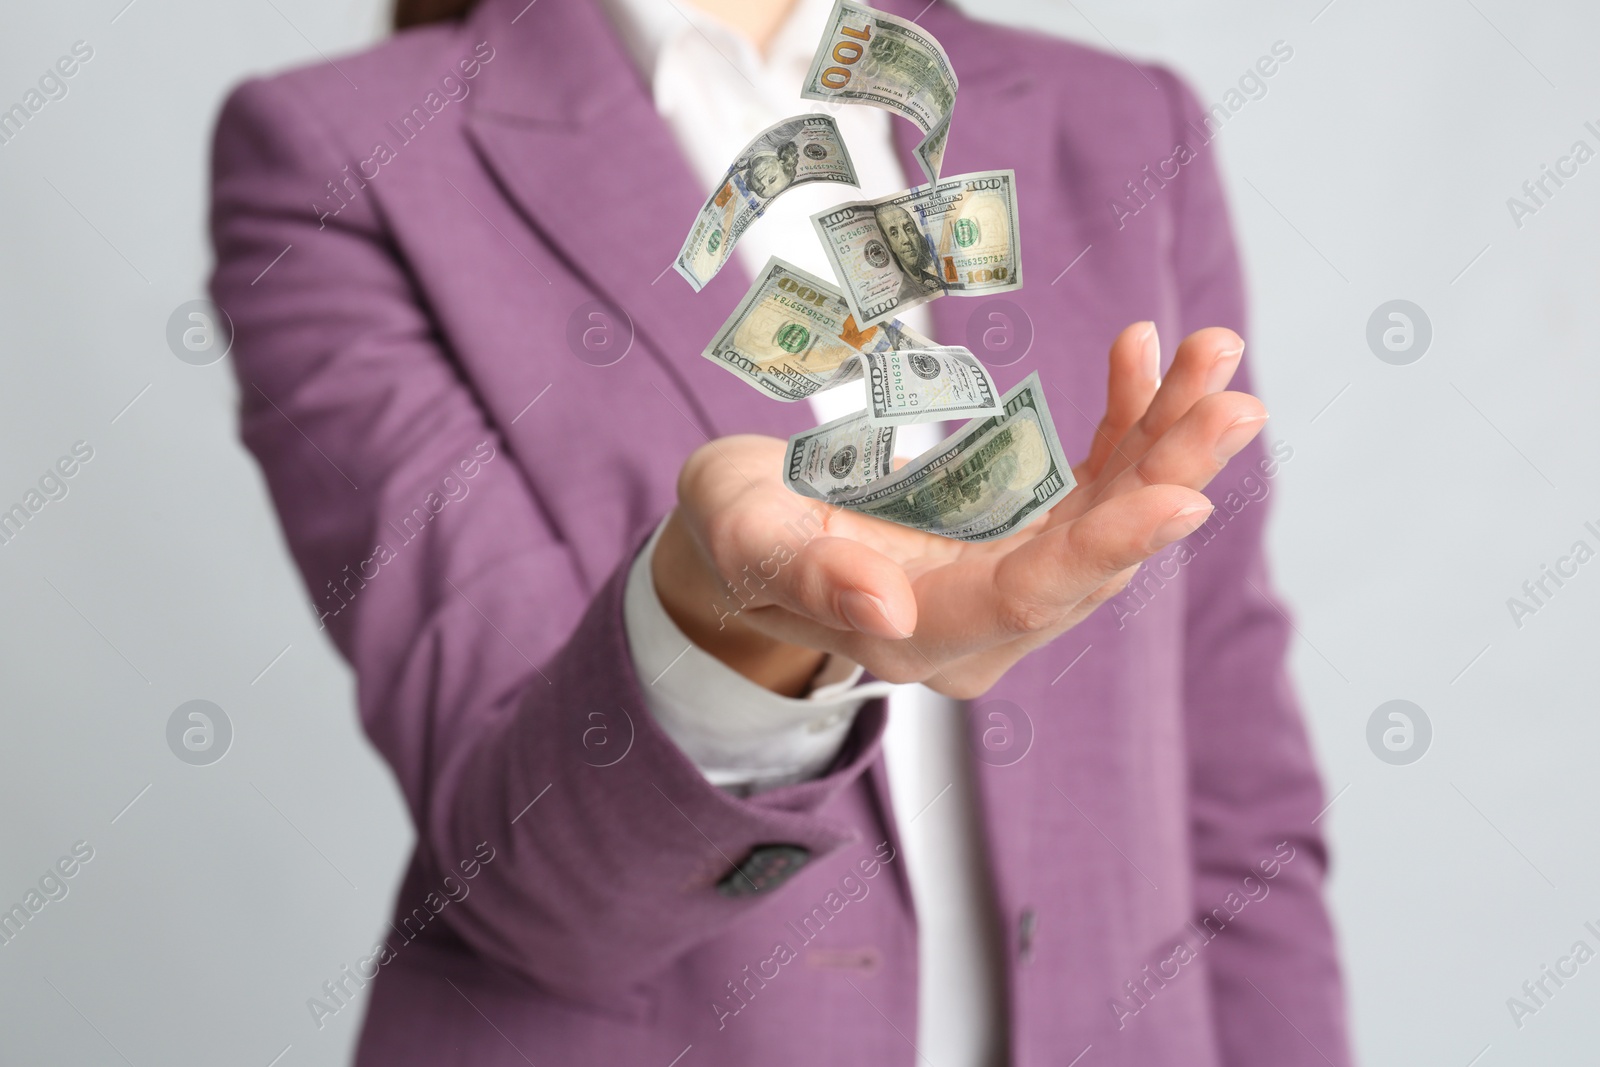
(1253, 785)
(493, 680)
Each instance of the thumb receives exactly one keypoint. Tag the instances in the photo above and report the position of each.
(844, 585)
(1088, 559)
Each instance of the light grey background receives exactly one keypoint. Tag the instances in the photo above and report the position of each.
(1377, 166)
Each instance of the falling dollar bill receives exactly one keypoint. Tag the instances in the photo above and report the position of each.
(869, 57)
(989, 479)
(793, 335)
(839, 456)
(796, 151)
(920, 385)
(956, 236)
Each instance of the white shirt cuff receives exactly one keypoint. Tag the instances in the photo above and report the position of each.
(743, 737)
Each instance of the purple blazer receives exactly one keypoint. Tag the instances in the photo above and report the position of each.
(411, 246)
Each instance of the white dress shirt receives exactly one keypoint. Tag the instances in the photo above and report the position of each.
(716, 92)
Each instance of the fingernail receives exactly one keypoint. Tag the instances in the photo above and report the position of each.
(864, 611)
(1222, 371)
(1152, 352)
(1237, 435)
(1184, 522)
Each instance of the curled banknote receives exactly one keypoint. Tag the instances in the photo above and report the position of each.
(793, 335)
(989, 479)
(869, 57)
(956, 236)
(839, 456)
(928, 384)
(806, 148)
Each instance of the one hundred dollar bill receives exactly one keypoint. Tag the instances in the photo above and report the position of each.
(839, 456)
(806, 148)
(956, 236)
(793, 335)
(987, 480)
(928, 384)
(869, 57)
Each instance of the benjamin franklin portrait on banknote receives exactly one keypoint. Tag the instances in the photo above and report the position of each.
(772, 164)
(910, 250)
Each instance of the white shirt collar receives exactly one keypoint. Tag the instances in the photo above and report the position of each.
(650, 27)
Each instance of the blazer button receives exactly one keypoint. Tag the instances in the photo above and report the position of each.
(1027, 925)
(765, 868)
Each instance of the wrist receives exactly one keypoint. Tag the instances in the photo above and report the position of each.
(710, 613)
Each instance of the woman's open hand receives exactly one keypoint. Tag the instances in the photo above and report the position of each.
(771, 582)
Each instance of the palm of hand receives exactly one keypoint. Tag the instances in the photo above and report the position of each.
(913, 606)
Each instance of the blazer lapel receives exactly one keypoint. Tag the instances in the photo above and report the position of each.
(568, 128)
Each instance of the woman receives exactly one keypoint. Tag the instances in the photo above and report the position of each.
(616, 666)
